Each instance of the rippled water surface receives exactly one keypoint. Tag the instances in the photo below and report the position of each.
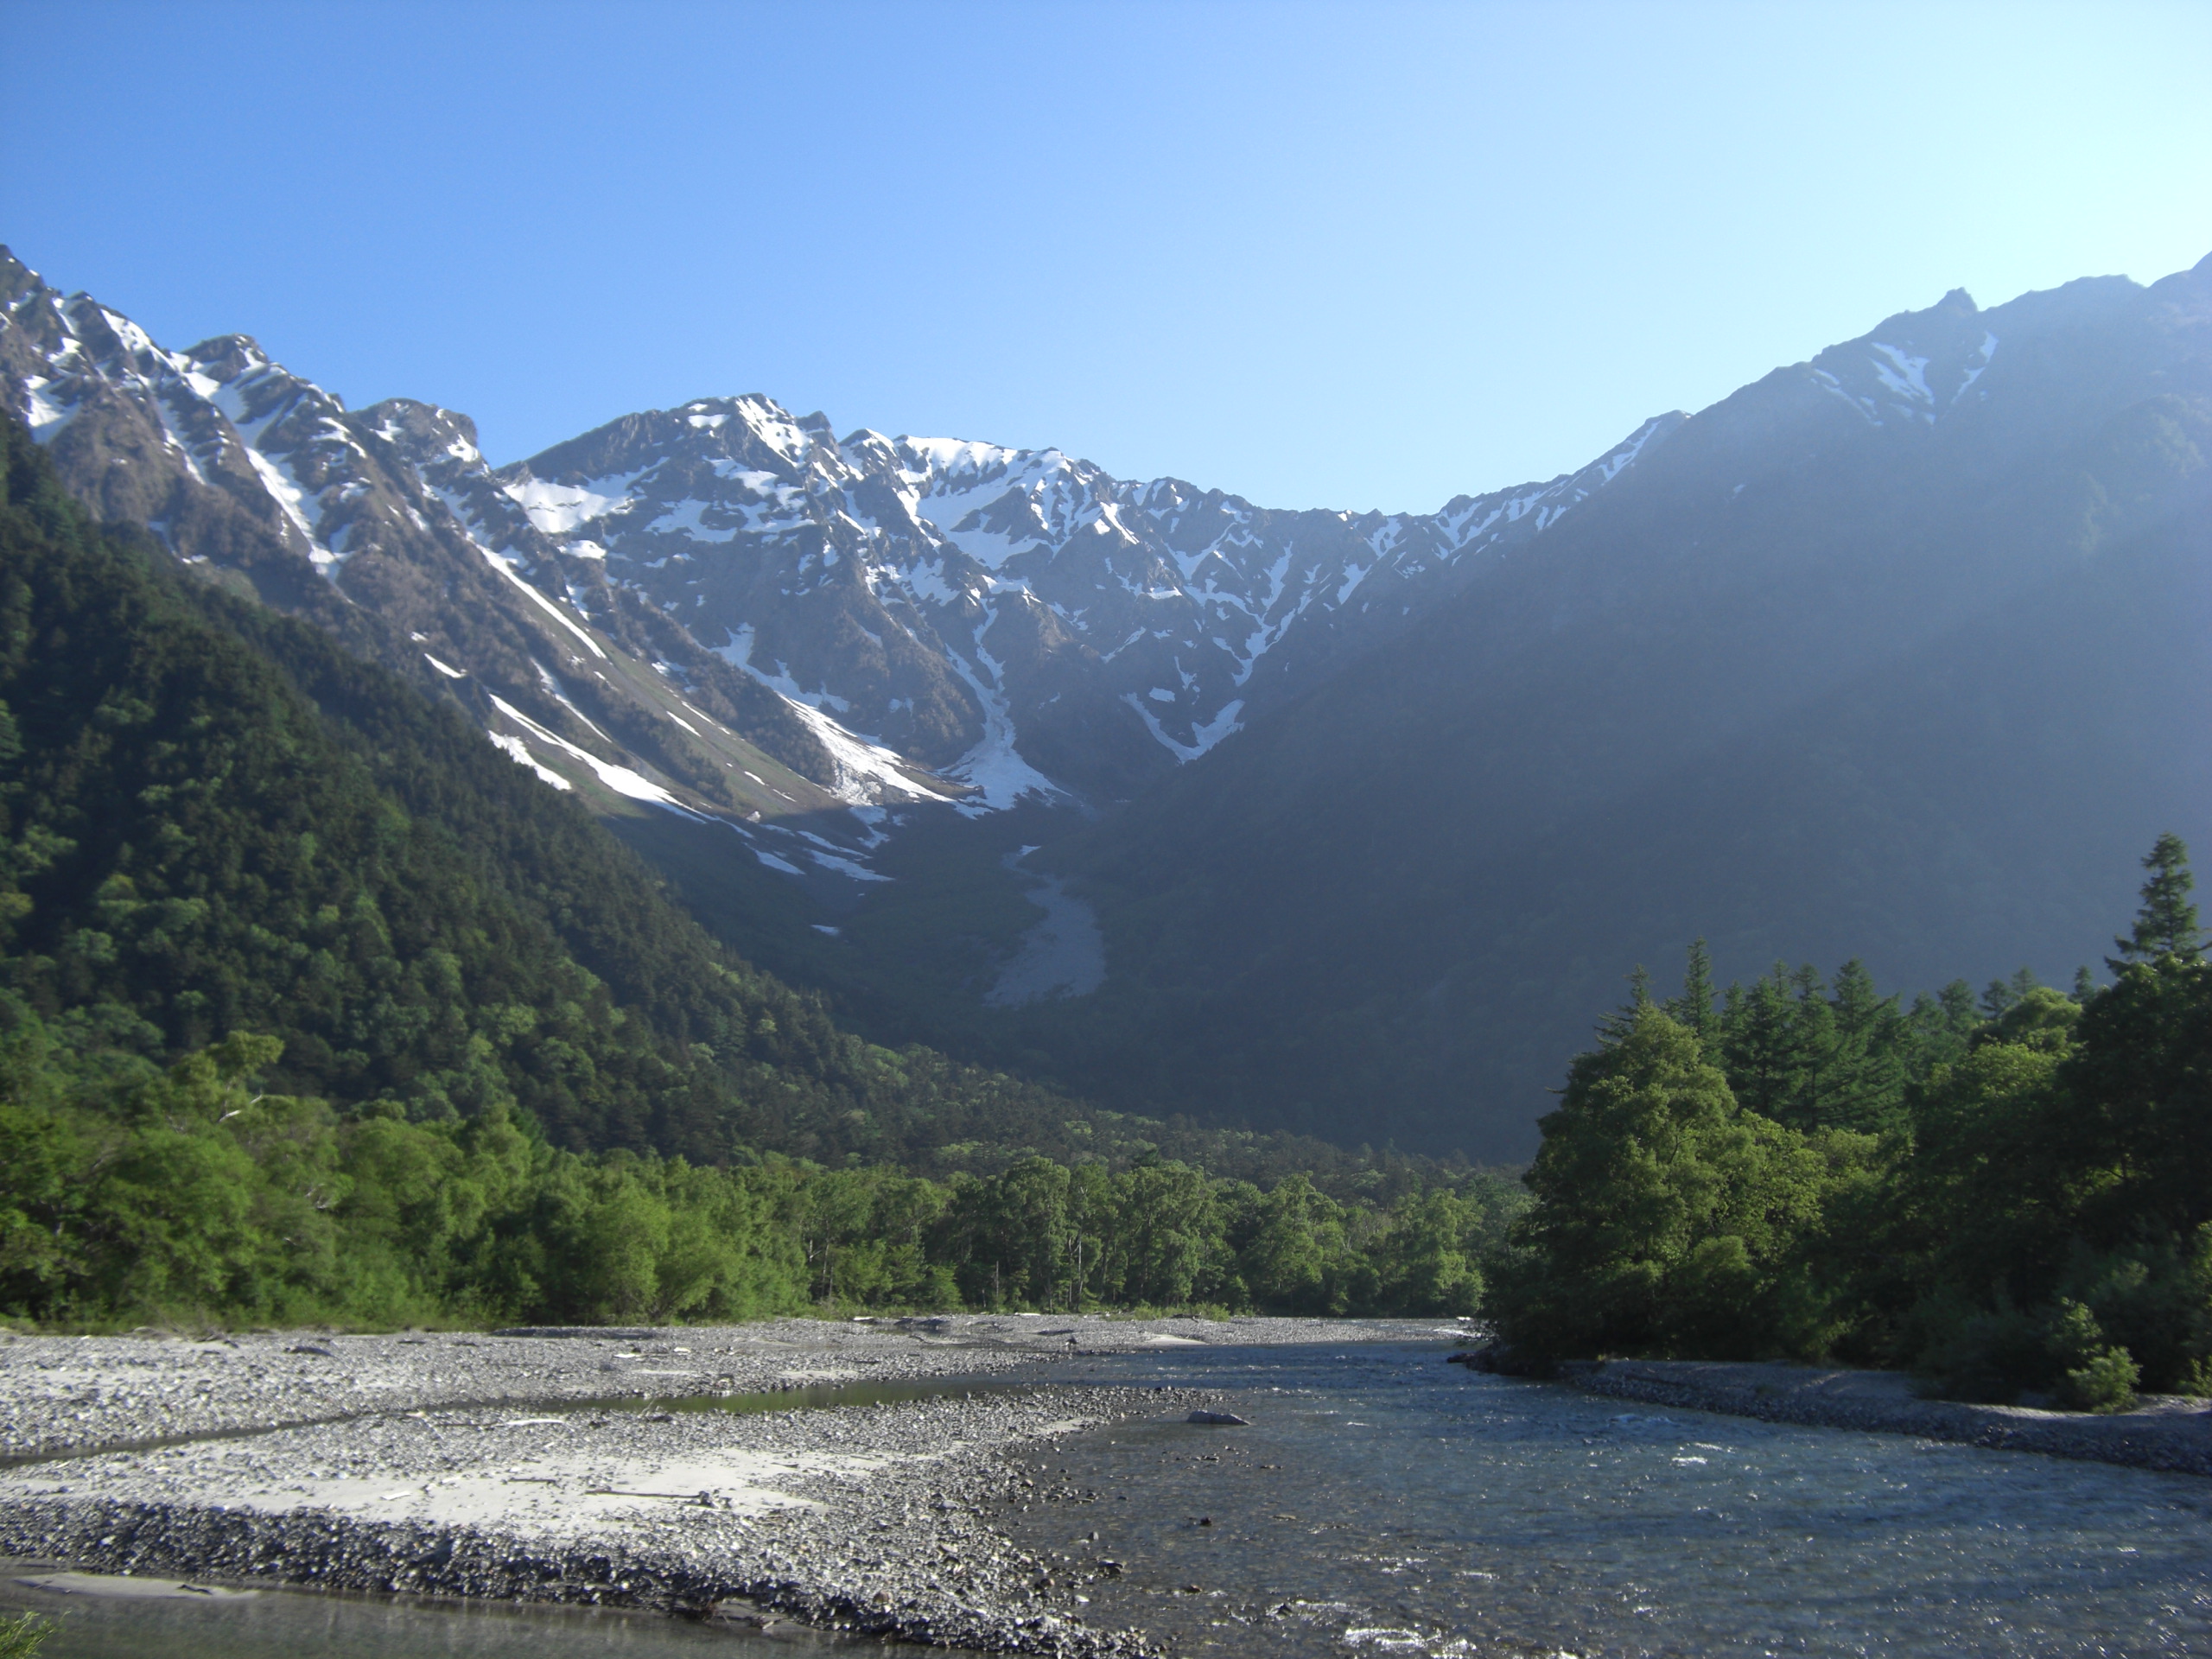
(1383, 1501)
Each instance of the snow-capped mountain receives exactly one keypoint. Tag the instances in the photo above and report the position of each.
(1015, 618)
(724, 606)
(386, 526)
(1896, 652)
(1902, 654)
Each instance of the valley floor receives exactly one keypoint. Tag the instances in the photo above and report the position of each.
(614, 1467)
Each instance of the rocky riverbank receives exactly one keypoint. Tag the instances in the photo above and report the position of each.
(595, 1467)
(2161, 1433)
(875, 1519)
(59, 1394)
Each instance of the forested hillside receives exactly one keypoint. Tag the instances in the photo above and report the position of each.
(314, 1004)
(2017, 1200)
(219, 821)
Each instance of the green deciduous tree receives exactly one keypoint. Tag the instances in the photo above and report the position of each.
(1665, 1214)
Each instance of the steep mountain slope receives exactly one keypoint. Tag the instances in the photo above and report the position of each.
(385, 526)
(1900, 651)
(1906, 651)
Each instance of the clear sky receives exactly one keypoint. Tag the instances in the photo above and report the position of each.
(1345, 256)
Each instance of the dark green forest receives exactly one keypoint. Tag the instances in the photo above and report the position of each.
(312, 1004)
(2010, 1200)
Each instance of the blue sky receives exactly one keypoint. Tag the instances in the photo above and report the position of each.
(1348, 255)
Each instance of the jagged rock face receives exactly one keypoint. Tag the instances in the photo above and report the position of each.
(1001, 614)
(386, 526)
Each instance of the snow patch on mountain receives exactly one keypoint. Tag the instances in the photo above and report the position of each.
(867, 773)
(517, 750)
(46, 416)
(1976, 366)
(621, 780)
(558, 509)
(505, 567)
(1203, 737)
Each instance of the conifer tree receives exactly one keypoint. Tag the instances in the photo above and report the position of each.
(1694, 1009)
(2166, 926)
(1759, 1045)
(1862, 1082)
(2002, 995)
(1813, 1030)
(1616, 1024)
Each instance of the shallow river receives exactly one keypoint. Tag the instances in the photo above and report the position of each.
(1382, 1503)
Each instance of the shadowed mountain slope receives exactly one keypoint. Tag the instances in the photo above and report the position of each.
(1905, 653)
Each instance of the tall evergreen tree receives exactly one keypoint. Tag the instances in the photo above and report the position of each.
(1694, 1009)
(1862, 1086)
(2166, 926)
(1759, 1047)
(1616, 1023)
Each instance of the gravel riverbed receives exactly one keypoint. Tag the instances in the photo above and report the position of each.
(2161, 1433)
(535, 1467)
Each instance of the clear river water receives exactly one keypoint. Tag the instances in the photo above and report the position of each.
(1382, 1503)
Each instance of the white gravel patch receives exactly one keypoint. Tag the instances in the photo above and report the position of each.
(519, 1466)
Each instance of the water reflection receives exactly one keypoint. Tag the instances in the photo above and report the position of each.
(282, 1625)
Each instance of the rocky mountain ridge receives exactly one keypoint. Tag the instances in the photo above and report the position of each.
(723, 608)
(1898, 652)
(265, 481)
(1017, 619)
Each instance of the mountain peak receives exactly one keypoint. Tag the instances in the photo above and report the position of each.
(16, 278)
(228, 356)
(420, 430)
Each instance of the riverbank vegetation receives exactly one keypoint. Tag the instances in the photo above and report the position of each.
(2013, 1198)
(187, 1194)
